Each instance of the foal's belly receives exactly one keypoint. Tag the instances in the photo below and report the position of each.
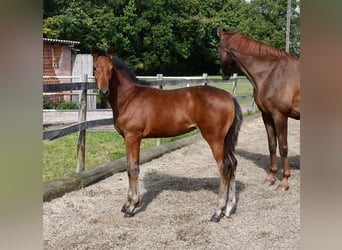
(166, 133)
(167, 129)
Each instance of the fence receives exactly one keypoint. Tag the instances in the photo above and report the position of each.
(86, 84)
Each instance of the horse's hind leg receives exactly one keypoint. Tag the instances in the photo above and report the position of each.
(132, 154)
(231, 201)
(227, 190)
(217, 148)
(272, 146)
(281, 127)
(222, 196)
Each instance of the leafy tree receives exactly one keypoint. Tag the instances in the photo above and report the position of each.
(267, 23)
(173, 37)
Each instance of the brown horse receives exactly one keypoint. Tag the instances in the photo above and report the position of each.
(143, 111)
(275, 76)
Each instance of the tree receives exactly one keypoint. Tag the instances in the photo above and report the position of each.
(267, 23)
(173, 37)
(81, 21)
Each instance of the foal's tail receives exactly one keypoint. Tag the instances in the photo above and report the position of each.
(229, 160)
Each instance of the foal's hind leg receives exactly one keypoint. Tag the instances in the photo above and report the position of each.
(217, 148)
(132, 154)
(231, 201)
(223, 194)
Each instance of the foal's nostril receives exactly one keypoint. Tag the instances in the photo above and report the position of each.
(104, 94)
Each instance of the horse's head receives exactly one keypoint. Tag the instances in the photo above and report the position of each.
(103, 66)
(226, 59)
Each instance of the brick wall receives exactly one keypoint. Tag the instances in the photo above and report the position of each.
(57, 61)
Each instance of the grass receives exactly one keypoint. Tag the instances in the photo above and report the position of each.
(59, 156)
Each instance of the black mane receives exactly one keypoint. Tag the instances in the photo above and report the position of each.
(101, 52)
(123, 67)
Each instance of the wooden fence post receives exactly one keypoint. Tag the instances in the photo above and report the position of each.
(253, 105)
(159, 78)
(82, 117)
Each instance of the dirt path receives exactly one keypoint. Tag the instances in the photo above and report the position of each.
(179, 192)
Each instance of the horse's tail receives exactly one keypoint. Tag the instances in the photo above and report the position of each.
(229, 160)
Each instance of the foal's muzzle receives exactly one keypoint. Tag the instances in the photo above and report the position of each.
(104, 94)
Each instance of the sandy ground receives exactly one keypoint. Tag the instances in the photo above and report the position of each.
(179, 193)
(55, 119)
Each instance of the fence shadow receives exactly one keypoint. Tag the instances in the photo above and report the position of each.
(157, 182)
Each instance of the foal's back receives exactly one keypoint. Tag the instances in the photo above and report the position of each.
(164, 113)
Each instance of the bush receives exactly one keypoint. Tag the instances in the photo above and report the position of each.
(67, 105)
(46, 103)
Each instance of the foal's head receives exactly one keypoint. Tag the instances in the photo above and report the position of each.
(226, 59)
(103, 66)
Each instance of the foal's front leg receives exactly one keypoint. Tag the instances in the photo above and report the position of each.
(132, 154)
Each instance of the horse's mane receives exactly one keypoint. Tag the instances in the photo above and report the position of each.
(123, 67)
(250, 46)
(129, 72)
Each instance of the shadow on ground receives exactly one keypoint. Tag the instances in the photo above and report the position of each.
(263, 161)
(156, 182)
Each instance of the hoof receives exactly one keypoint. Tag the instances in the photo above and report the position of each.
(128, 215)
(229, 218)
(282, 187)
(124, 209)
(215, 218)
(268, 182)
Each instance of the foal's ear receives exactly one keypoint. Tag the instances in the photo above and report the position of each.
(219, 32)
(111, 51)
(95, 50)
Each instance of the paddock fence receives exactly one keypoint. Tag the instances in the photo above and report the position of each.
(80, 90)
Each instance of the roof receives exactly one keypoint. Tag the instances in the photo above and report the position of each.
(60, 41)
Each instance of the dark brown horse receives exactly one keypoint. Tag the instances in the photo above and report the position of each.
(275, 77)
(143, 111)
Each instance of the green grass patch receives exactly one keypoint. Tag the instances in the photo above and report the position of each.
(59, 155)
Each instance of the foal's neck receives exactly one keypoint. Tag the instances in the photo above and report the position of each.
(121, 87)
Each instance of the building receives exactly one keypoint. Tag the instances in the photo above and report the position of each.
(57, 66)
(57, 59)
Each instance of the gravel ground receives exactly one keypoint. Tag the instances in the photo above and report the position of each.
(179, 192)
(54, 119)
